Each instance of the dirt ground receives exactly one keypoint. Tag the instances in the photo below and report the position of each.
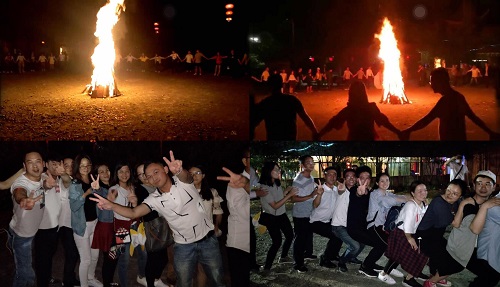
(322, 105)
(283, 274)
(166, 106)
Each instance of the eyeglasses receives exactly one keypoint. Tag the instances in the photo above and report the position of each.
(196, 173)
(487, 184)
(455, 194)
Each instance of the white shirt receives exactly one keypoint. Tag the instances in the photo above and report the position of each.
(238, 221)
(65, 214)
(324, 211)
(121, 199)
(52, 208)
(183, 208)
(340, 210)
(212, 207)
(411, 214)
(25, 223)
(454, 168)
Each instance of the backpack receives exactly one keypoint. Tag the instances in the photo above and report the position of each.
(390, 221)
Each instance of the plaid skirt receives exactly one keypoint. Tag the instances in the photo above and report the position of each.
(399, 250)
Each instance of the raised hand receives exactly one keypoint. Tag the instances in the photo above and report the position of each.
(28, 202)
(132, 198)
(235, 180)
(175, 166)
(320, 189)
(50, 181)
(362, 187)
(102, 202)
(292, 191)
(95, 182)
(341, 185)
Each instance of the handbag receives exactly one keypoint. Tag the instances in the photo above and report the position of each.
(122, 236)
(158, 235)
(265, 219)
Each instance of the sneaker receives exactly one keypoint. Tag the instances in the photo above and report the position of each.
(159, 283)
(411, 283)
(323, 262)
(95, 283)
(386, 279)
(378, 268)
(396, 273)
(310, 257)
(423, 277)
(301, 269)
(342, 267)
(142, 280)
(355, 261)
(444, 283)
(367, 272)
(285, 259)
(428, 283)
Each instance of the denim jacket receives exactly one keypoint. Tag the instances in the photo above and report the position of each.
(104, 215)
(76, 202)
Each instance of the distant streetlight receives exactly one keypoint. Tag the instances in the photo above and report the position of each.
(255, 39)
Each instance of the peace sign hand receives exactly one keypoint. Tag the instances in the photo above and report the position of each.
(362, 187)
(29, 202)
(95, 182)
(174, 165)
(235, 180)
(50, 181)
(320, 189)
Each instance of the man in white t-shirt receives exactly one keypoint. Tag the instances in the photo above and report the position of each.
(28, 199)
(238, 225)
(321, 216)
(177, 199)
(45, 240)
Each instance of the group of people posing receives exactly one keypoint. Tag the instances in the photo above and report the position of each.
(352, 212)
(97, 208)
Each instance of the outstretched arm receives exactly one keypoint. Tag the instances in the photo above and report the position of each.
(383, 120)
(8, 182)
(475, 119)
(422, 123)
(136, 212)
(308, 121)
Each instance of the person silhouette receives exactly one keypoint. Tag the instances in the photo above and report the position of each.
(360, 116)
(451, 111)
(279, 112)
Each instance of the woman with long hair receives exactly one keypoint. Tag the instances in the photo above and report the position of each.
(84, 219)
(122, 192)
(211, 202)
(360, 116)
(273, 208)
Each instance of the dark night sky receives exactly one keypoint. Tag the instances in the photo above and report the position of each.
(333, 27)
(183, 25)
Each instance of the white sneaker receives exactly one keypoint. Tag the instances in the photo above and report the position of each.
(395, 272)
(95, 283)
(386, 279)
(159, 283)
(142, 280)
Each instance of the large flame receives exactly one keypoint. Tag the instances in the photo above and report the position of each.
(392, 79)
(103, 58)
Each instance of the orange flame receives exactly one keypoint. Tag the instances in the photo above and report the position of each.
(103, 58)
(392, 78)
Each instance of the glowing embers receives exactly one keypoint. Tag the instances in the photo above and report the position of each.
(103, 80)
(392, 81)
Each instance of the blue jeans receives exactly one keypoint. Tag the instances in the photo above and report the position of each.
(206, 252)
(123, 265)
(353, 247)
(21, 246)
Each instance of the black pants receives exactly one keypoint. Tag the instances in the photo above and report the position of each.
(334, 243)
(45, 247)
(433, 245)
(156, 262)
(253, 246)
(379, 238)
(303, 240)
(71, 255)
(486, 275)
(239, 266)
(108, 269)
(279, 224)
